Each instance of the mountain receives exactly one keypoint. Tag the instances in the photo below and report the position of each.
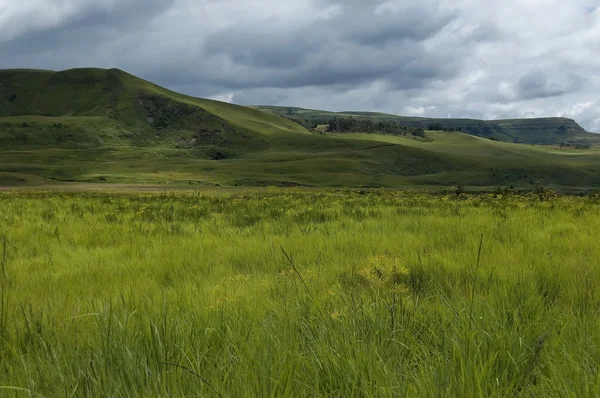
(107, 126)
(118, 96)
(537, 131)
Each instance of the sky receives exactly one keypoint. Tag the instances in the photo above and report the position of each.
(432, 58)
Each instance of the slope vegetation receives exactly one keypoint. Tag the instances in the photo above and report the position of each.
(539, 131)
(106, 126)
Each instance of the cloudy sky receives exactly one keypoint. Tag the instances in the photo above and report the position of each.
(441, 58)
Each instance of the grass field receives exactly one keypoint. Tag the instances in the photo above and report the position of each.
(277, 293)
(95, 150)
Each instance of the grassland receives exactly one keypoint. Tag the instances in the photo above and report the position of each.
(96, 150)
(105, 126)
(295, 292)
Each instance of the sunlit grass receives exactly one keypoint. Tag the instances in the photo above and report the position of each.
(290, 293)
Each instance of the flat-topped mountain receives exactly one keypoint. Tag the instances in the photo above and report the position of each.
(538, 131)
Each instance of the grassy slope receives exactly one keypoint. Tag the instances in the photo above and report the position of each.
(94, 125)
(112, 93)
(540, 131)
(501, 162)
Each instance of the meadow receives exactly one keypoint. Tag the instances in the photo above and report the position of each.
(275, 293)
(90, 126)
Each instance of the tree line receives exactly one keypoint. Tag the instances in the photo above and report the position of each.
(441, 127)
(353, 125)
(306, 123)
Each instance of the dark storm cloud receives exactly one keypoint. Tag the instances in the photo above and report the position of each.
(262, 48)
(359, 44)
(90, 25)
(536, 84)
(374, 29)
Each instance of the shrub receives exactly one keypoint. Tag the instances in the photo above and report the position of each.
(418, 133)
(539, 189)
(217, 154)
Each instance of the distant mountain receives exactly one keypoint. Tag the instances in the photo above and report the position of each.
(538, 131)
(107, 126)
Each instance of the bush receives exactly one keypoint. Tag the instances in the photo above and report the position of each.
(217, 154)
(418, 133)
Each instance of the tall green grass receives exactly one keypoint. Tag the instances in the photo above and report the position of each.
(288, 293)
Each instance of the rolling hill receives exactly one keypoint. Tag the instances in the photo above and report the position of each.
(107, 126)
(540, 131)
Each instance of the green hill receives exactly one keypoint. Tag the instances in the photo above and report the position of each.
(107, 126)
(116, 95)
(539, 131)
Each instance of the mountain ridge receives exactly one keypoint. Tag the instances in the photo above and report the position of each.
(384, 114)
(537, 131)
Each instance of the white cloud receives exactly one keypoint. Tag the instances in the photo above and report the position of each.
(409, 110)
(224, 97)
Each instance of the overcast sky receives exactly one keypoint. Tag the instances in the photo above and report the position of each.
(439, 58)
